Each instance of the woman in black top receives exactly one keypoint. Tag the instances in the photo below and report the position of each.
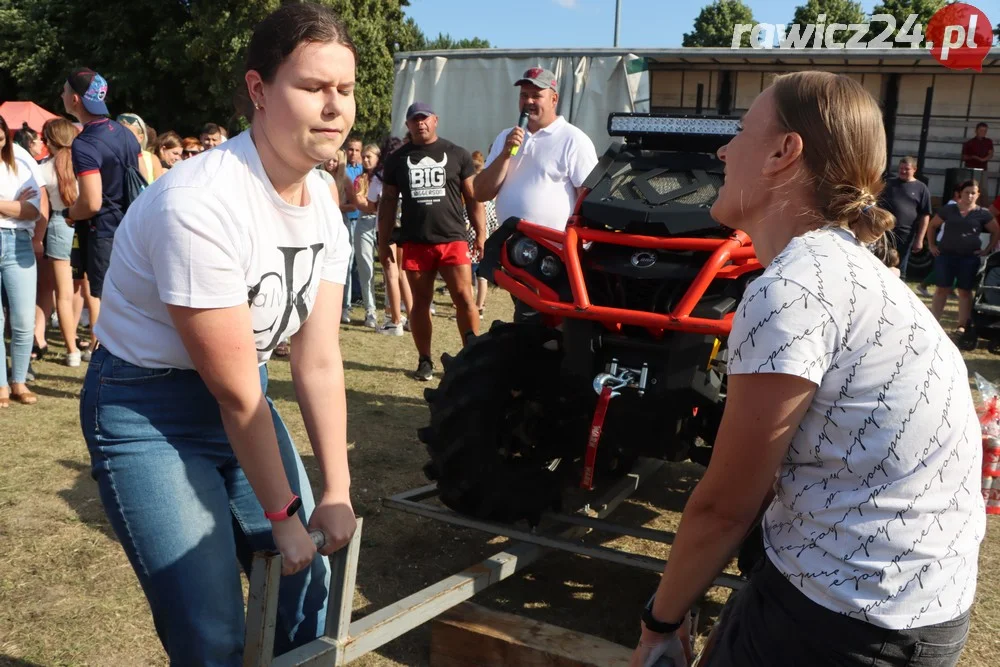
(957, 252)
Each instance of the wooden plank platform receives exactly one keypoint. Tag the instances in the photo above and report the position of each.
(470, 635)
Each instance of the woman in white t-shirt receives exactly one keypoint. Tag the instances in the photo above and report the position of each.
(20, 202)
(846, 400)
(219, 260)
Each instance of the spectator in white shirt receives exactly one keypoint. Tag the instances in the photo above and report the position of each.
(20, 201)
(543, 181)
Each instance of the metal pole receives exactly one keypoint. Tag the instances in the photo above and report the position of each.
(618, 18)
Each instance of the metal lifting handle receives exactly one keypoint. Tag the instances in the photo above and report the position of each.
(318, 538)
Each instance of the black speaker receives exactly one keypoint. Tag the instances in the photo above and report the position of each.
(955, 176)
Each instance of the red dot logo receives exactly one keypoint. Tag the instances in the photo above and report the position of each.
(960, 36)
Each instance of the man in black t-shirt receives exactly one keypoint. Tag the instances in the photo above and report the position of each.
(909, 201)
(434, 178)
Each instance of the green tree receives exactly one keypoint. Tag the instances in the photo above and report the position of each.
(179, 63)
(901, 11)
(445, 42)
(844, 12)
(716, 23)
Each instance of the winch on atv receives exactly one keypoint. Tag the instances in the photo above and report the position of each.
(628, 355)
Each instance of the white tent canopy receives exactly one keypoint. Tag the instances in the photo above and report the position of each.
(474, 96)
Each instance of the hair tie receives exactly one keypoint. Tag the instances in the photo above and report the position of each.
(865, 209)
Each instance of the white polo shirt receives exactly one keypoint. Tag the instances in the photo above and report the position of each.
(541, 181)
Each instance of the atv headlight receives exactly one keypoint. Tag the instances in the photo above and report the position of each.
(550, 266)
(524, 252)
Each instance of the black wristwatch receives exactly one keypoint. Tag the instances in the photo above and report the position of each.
(653, 625)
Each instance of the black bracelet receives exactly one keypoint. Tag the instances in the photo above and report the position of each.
(655, 625)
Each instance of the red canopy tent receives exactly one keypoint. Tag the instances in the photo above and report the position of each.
(18, 113)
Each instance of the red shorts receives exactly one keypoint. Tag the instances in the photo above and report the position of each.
(429, 256)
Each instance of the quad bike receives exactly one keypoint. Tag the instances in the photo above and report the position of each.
(626, 357)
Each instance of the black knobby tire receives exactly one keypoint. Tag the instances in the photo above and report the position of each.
(499, 426)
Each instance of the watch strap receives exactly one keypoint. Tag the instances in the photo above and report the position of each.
(655, 625)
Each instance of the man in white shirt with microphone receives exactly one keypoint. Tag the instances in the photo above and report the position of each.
(537, 172)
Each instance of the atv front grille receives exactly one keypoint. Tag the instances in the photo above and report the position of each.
(625, 187)
(640, 294)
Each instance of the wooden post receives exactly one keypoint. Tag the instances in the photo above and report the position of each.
(473, 635)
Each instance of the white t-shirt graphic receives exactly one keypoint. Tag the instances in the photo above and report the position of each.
(213, 233)
(878, 512)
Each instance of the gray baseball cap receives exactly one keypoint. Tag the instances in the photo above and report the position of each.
(540, 77)
(419, 109)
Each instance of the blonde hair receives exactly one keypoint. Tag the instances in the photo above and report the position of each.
(60, 133)
(365, 179)
(843, 146)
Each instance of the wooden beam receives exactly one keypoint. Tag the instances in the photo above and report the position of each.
(470, 635)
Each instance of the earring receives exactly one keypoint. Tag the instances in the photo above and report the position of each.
(256, 106)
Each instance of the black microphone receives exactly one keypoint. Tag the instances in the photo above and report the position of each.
(522, 123)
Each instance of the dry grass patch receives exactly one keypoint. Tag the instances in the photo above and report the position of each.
(69, 597)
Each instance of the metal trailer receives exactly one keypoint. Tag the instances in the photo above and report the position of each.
(345, 641)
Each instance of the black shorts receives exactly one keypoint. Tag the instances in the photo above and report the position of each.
(98, 260)
(770, 622)
(956, 270)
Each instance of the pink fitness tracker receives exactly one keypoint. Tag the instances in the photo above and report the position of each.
(285, 512)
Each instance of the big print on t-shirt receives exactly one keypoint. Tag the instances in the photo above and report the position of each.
(427, 178)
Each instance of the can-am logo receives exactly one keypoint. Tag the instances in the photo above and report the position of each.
(644, 259)
(959, 35)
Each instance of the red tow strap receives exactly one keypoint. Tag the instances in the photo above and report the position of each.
(587, 482)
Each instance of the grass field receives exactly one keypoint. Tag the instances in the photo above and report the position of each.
(69, 597)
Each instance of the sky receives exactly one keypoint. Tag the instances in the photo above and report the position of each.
(530, 24)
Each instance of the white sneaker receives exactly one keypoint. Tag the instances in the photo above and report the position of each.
(72, 359)
(345, 316)
(390, 329)
(370, 321)
(433, 310)
(406, 324)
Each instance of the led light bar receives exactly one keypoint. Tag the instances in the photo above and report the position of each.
(625, 124)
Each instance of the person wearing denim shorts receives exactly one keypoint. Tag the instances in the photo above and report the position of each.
(219, 260)
(958, 253)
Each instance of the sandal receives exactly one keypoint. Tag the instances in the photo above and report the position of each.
(25, 397)
(38, 353)
(4, 402)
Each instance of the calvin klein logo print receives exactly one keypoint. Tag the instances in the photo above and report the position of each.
(283, 290)
(427, 177)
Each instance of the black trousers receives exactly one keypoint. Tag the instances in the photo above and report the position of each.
(770, 623)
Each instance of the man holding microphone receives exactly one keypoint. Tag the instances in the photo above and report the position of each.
(535, 171)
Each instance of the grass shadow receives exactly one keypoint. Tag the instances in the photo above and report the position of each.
(84, 499)
(9, 661)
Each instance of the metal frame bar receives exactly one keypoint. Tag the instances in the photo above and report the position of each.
(345, 641)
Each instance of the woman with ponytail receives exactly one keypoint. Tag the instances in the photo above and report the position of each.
(848, 417)
(63, 190)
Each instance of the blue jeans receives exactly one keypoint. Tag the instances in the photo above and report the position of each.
(18, 281)
(351, 270)
(364, 255)
(185, 513)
